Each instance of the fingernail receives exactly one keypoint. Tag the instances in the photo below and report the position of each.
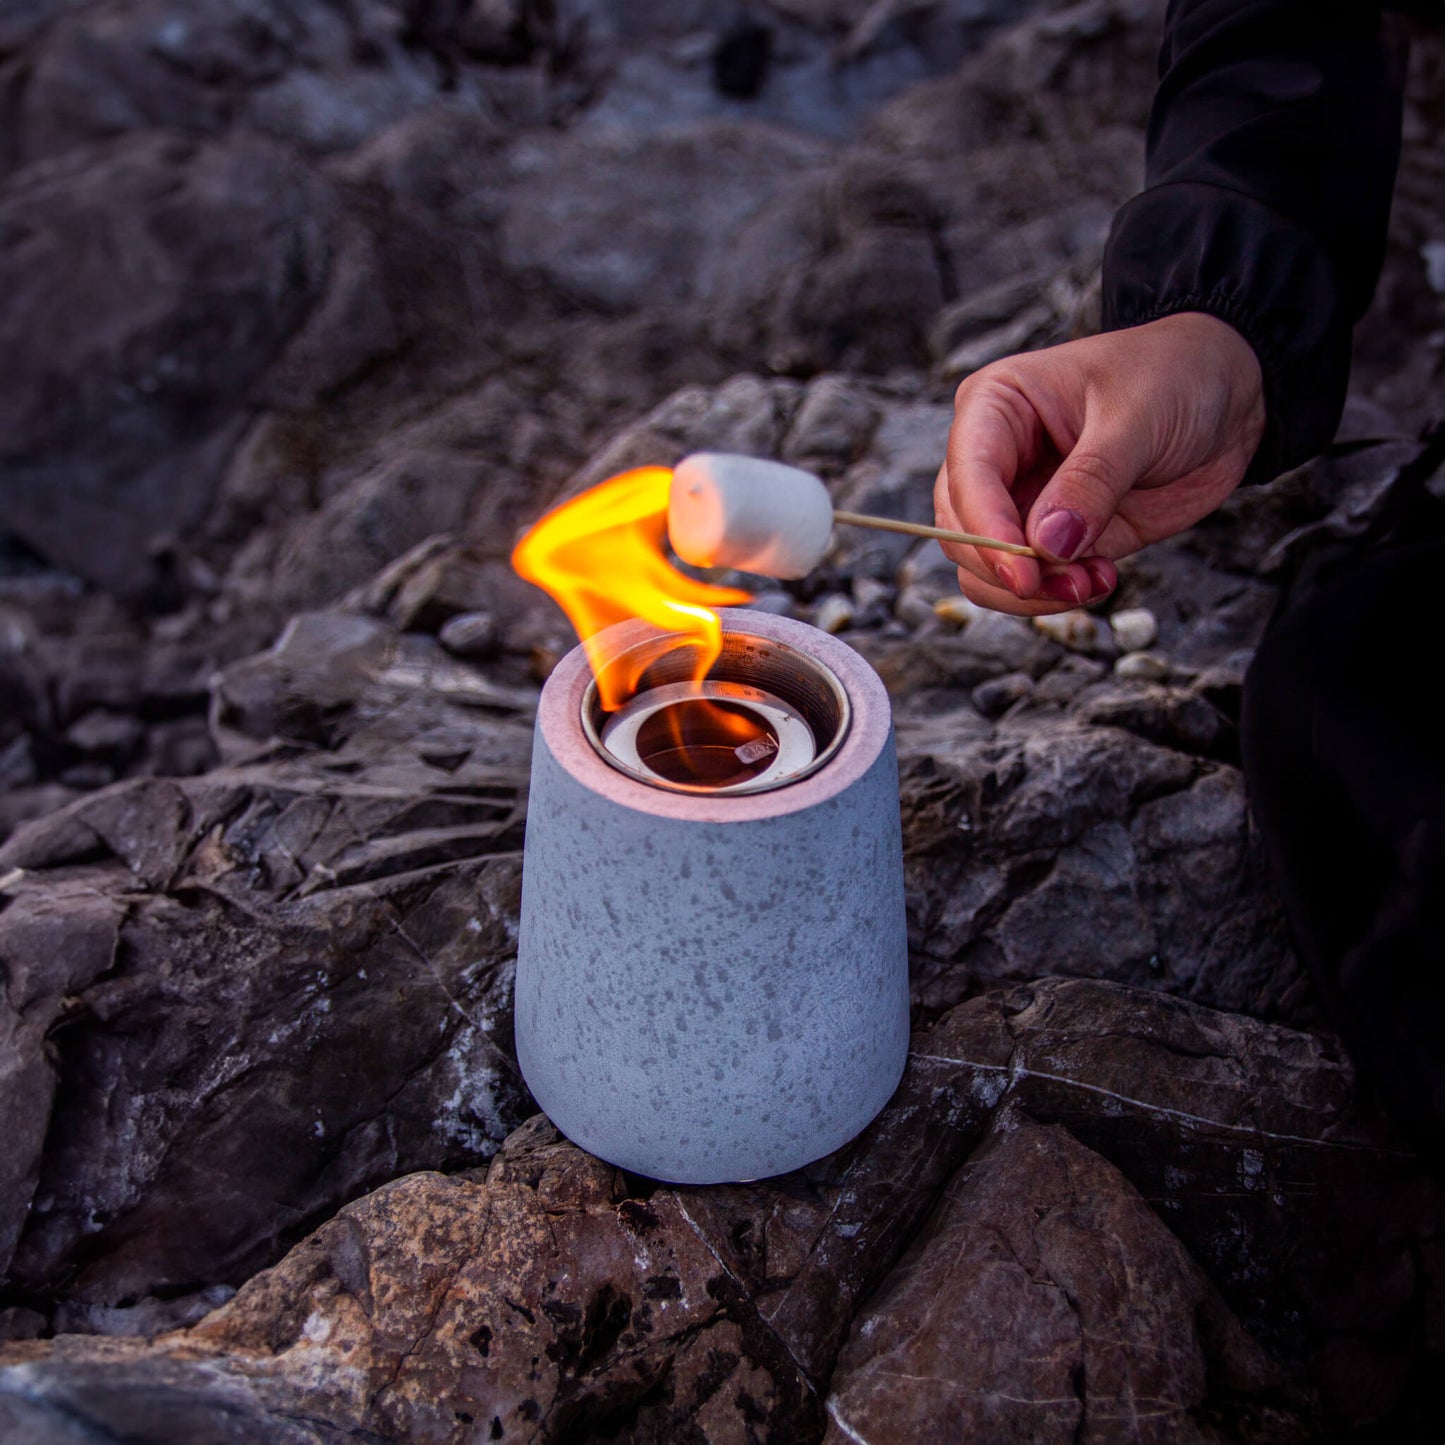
(1006, 577)
(1061, 533)
(1102, 575)
(1062, 588)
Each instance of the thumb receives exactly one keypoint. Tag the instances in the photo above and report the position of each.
(1081, 497)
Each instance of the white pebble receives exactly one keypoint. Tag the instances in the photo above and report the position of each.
(1135, 629)
(1076, 630)
(746, 512)
(870, 592)
(834, 613)
(1148, 666)
(469, 634)
(913, 608)
(958, 610)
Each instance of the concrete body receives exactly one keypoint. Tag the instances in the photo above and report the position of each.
(713, 988)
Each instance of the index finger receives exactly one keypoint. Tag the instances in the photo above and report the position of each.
(993, 442)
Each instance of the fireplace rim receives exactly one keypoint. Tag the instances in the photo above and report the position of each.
(801, 683)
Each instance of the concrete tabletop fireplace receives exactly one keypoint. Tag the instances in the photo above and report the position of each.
(712, 975)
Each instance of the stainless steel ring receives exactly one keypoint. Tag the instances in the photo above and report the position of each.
(796, 698)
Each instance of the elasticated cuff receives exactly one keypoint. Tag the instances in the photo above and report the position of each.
(1188, 246)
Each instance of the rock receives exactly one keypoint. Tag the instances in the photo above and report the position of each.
(17, 763)
(959, 610)
(913, 608)
(864, 306)
(873, 599)
(134, 408)
(746, 414)
(1025, 332)
(469, 634)
(1134, 629)
(629, 219)
(1069, 679)
(776, 601)
(996, 696)
(1145, 666)
(1076, 630)
(1045, 1300)
(834, 423)
(1176, 717)
(385, 511)
(317, 973)
(983, 311)
(105, 733)
(929, 570)
(555, 1295)
(1049, 843)
(834, 613)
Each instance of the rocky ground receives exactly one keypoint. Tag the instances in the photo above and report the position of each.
(307, 309)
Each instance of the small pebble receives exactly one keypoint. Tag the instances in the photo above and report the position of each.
(913, 608)
(1134, 628)
(1146, 665)
(1076, 630)
(927, 566)
(1069, 679)
(958, 610)
(772, 600)
(870, 592)
(469, 634)
(834, 613)
(106, 734)
(996, 696)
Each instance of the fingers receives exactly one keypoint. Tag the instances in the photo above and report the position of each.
(1080, 499)
(1000, 599)
(1001, 458)
(994, 440)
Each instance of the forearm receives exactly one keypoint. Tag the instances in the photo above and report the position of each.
(1272, 150)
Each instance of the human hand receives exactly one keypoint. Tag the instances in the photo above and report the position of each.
(1093, 449)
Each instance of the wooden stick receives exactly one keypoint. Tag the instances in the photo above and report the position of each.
(917, 529)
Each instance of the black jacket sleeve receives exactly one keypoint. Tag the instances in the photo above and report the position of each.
(1272, 149)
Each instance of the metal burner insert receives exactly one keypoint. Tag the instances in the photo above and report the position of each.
(764, 716)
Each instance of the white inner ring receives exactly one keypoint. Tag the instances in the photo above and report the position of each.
(796, 745)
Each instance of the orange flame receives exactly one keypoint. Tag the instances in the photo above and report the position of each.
(602, 557)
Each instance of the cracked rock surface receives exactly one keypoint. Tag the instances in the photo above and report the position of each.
(1030, 1243)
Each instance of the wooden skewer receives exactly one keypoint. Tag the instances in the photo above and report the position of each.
(918, 529)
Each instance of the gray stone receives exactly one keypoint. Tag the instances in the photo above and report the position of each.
(1044, 1301)
(318, 957)
(629, 219)
(833, 426)
(469, 634)
(118, 416)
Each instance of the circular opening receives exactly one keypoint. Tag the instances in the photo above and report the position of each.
(706, 744)
(765, 715)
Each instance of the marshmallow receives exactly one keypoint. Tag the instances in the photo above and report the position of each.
(758, 516)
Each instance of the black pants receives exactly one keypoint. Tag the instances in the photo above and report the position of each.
(1344, 754)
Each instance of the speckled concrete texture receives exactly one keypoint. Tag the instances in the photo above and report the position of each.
(713, 988)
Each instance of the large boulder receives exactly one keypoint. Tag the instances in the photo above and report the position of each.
(1023, 1245)
(235, 1002)
(149, 284)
